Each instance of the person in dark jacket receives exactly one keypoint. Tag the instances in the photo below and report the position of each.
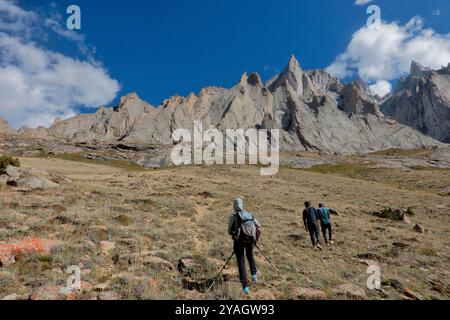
(244, 235)
(311, 222)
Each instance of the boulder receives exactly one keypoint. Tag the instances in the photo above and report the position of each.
(188, 266)
(412, 295)
(11, 297)
(419, 228)
(34, 171)
(102, 287)
(351, 291)
(36, 183)
(127, 259)
(108, 295)
(264, 294)
(8, 251)
(106, 246)
(89, 246)
(4, 179)
(158, 263)
(85, 287)
(52, 293)
(13, 172)
(446, 191)
(407, 220)
(307, 294)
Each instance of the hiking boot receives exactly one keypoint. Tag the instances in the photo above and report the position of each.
(246, 290)
(255, 278)
(320, 247)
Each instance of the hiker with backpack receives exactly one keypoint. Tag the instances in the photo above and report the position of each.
(311, 222)
(245, 230)
(325, 222)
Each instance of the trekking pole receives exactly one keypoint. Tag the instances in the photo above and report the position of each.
(276, 269)
(218, 275)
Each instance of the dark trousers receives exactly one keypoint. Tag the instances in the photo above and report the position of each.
(244, 248)
(325, 228)
(314, 233)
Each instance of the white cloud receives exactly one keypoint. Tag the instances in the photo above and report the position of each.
(362, 2)
(37, 84)
(381, 87)
(387, 53)
(15, 19)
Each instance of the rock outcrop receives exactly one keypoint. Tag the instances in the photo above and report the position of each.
(39, 132)
(5, 127)
(422, 101)
(8, 251)
(313, 110)
(357, 98)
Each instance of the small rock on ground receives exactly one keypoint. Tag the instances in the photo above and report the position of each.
(108, 295)
(158, 263)
(351, 291)
(307, 294)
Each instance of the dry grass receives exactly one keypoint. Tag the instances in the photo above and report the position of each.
(179, 212)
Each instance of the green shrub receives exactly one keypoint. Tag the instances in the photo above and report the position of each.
(8, 160)
(388, 213)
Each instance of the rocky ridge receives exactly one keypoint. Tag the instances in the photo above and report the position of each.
(313, 110)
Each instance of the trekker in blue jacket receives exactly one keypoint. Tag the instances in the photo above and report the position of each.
(325, 222)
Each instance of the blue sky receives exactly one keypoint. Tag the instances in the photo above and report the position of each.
(160, 48)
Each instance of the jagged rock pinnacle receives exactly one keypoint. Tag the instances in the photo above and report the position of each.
(244, 79)
(417, 69)
(255, 80)
(293, 65)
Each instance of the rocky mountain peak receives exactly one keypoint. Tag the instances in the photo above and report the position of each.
(5, 127)
(255, 80)
(445, 70)
(417, 70)
(244, 79)
(293, 65)
(191, 99)
(422, 101)
(175, 100)
(291, 75)
(131, 99)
